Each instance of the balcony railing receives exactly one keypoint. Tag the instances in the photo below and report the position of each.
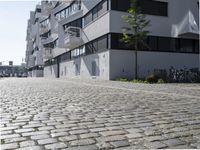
(48, 53)
(73, 37)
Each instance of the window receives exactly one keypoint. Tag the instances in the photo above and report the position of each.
(82, 50)
(63, 14)
(147, 6)
(102, 43)
(186, 45)
(153, 7)
(76, 23)
(97, 11)
(117, 43)
(121, 5)
(196, 49)
(88, 18)
(65, 56)
(102, 7)
(164, 44)
(152, 43)
(89, 48)
(95, 45)
(38, 10)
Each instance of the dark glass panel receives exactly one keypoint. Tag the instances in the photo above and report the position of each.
(102, 7)
(89, 48)
(164, 44)
(88, 18)
(102, 43)
(186, 45)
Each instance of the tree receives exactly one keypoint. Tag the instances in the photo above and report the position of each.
(138, 33)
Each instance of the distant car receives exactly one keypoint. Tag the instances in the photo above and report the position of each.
(25, 76)
(19, 75)
(6, 75)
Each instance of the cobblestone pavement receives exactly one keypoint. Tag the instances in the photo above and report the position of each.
(41, 114)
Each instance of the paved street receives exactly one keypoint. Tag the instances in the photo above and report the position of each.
(89, 115)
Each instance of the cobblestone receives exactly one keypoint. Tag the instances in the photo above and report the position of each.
(9, 146)
(47, 141)
(89, 115)
(56, 146)
(27, 143)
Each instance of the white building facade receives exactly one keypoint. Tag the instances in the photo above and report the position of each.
(82, 38)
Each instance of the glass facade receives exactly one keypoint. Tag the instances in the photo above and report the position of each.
(156, 43)
(113, 41)
(148, 7)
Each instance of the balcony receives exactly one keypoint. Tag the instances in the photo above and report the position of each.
(47, 7)
(50, 39)
(73, 37)
(44, 28)
(48, 53)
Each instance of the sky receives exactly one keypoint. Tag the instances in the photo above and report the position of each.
(13, 25)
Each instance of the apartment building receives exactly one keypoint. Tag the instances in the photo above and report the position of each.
(34, 51)
(82, 38)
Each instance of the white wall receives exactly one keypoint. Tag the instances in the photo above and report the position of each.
(51, 71)
(122, 62)
(37, 73)
(68, 69)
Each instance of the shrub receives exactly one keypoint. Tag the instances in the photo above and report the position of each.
(152, 79)
(123, 79)
(137, 81)
(161, 81)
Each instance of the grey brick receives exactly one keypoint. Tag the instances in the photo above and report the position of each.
(38, 137)
(24, 130)
(27, 143)
(109, 133)
(56, 146)
(9, 146)
(31, 148)
(17, 139)
(78, 131)
(173, 142)
(47, 141)
(68, 138)
(59, 134)
(82, 142)
(89, 135)
(89, 147)
(134, 135)
(155, 145)
(34, 133)
(7, 136)
(118, 144)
